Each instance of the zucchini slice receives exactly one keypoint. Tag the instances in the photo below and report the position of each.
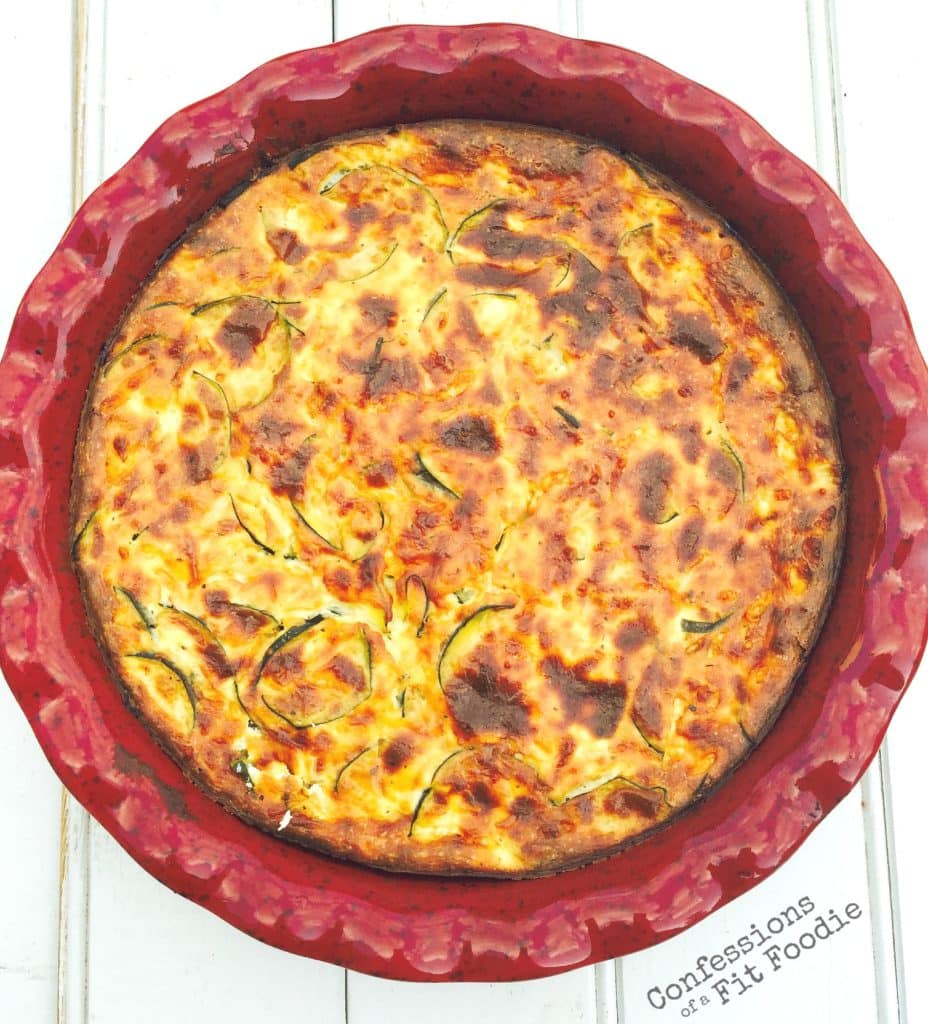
(316, 672)
(470, 221)
(700, 626)
(464, 638)
(337, 177)
(164, 683)
(251, 341)
(603, 787)
(143, 613)
(423, 472)
(418, 604)
(426, 793)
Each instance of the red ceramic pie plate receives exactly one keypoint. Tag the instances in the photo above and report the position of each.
(420, 928)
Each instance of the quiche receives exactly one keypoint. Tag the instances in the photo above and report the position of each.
(458, 498)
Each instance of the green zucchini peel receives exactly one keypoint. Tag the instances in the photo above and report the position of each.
(699, 626)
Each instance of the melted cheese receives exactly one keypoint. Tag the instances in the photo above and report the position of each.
(441, 501)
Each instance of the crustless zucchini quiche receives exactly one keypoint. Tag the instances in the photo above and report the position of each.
(458, 498)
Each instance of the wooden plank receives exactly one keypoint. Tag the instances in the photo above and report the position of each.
(29, 866)
(176, 53)
(155, 957)
(565, 997)
(807, 961)
(881, 86)
(37, 164)
(73, 913)
(140, 933)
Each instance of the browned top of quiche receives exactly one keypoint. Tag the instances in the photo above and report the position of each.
(459, 498)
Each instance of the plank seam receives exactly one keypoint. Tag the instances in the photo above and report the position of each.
(605, 992)
(837, 111)
(88, 20)
(78, 98)
(73, 914)
(887, 841)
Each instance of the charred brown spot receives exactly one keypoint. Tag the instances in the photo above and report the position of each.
(560, 560)
(812, 550)
(287, 245)
(371, 568)
(248, 620)
(607, 371)
(397, 753)
(689, 539)
(604, 373)
(120, 446)
(348, 672)
(471, 433)
(565, 750)
(622, 290)
(625, 801)
(286, 667)
(272, 432)
(378, 309)
(493, 236)
(695, 333)
(245, 328)
(452, 153)
(217, 601)
(392, 376)
(826, 518)
(380, 474)
(584, 304)
(465, 510)
(468, 326)
(492, 277)
(648, 704)
(739, 370)
(634, 635)
(215, 657)
(799, 380)
(198, 464)
(359, 214)
(523, 807)
(723, 468)
(479, 795)
(593, 703)
(653, 477)
(481, 700)
(340, 582)
(438, 365)
(287, 477)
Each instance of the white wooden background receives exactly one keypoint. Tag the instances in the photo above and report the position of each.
(86, 935)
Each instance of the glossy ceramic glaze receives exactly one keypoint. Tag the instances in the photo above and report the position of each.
(414, 927)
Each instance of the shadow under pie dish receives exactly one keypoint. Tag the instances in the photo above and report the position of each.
(460, 497)
(827, 731)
